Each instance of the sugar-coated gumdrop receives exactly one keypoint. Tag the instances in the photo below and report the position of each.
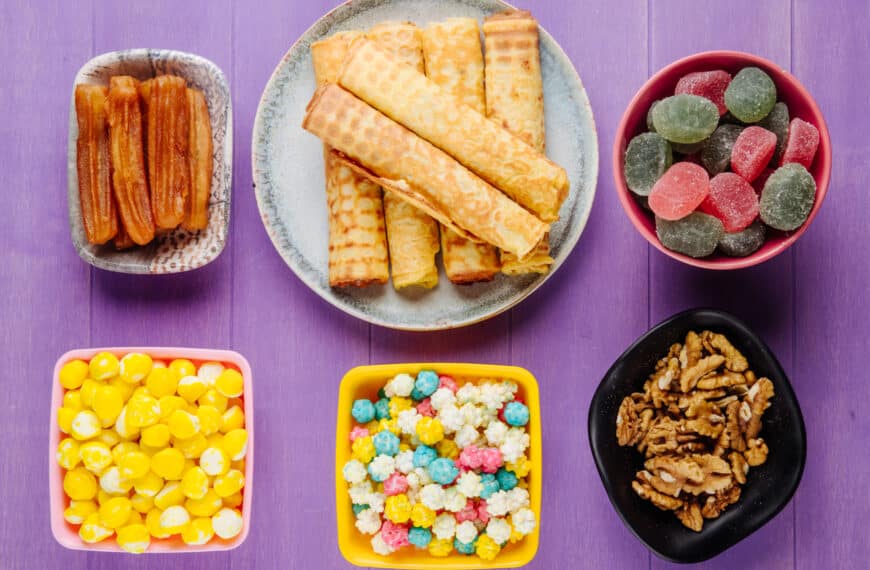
(708, 84)
(777, 122)
(758, 183)
(802, 143)
(685, 118)
(649, 116)
(696, 235)
(679, 191)
(787, 197)
(752, 151)
(716, 154)
(732, 200)
(751, 95)
(743, 243)
(648, 157)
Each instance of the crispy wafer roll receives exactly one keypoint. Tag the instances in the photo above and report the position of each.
(418, 103)
(411, 234)
(128, 160)
(422, 174)
(92, 164)
(515, 99)
(168, 140)
(200, 162)
(357, 237)
(454, 60)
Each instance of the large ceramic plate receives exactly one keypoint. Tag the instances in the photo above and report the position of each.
(289, 181)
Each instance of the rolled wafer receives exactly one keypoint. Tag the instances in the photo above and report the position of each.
(418, 103)
(419, 172)
(515, 100)
(357, 239)
(412, 235)
(93, 164)
(168, 140)
(454, 60)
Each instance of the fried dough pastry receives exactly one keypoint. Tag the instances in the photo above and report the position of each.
(92, 164)
(200, 150)
(128, 160)
(168, 140)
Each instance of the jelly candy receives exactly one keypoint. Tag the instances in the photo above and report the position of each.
(787, 197)
(708, 84)
(682, 189)
(716, 154)
(648, 157)
(752, 151)
(751, 95)
(696, 235)
(777, 122)
(649, 116)
(802, 143)
(743, 243)
(732, 200)
(685, 118)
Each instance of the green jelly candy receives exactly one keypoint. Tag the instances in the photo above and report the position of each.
(696, 235)
(787, 197)
(685, 118)
(716, 154)
(648, 157)
(777, 122)
(751, 95)
(741, 244)
(649, 120)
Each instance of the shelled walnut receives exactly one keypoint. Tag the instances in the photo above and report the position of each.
(697, 422)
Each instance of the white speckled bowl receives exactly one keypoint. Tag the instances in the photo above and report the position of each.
(179, 250)
(289, 181)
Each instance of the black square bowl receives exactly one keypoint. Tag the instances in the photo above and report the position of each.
(769, 487)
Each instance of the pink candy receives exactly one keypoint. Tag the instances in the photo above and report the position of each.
(358, 431)
(424, 408)
(482, 513)
(469, 513)
(470, 457)
(447, 382)
(732, 200)
(395, 484)
(680, 190)
(395, 535)
(751, 152)
(708, 84)
(801, 144)
(492, 460)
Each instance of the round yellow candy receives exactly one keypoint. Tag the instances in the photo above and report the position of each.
(135, 517)
(142, 503)
(85, 425)
(183, 424)
(88, 390)
(168, 463)
(143, 410)
(135, 367)
(103, 365)
(73, 400)
(67, 453)
(194, 483)
(198, 532)
(214, 461)
(109, 436)
(236, 443)
(79, 484)
(96, 456)
(134, 465)
(107, 404)
(73, 373)
(162, 382)
(233, 500)
(134, 538)
(122, 449)
(229, 483)
(148, 485)
(422, 516)
(123, 426)
(152, 523)
(78, 511)
(92, 531)
(115, 512)
(429, 430)
(191, 387)
(169, 495)
(155, 436)
(486, 548)
(398, 508)
(112, 482)
(65, 417)
(363, 449)
(209, 419)
(124, 388)
(209, 371)
(440, 547)
(230, 383)
(170, 404)
(205, 507)
(182, 367)
(174, 519)
(213, 398)
(191, 447)
(227, 523)
(233, 418)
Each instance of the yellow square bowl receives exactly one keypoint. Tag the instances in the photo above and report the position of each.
(364, 382)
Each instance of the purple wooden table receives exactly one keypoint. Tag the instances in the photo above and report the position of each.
(810, 304)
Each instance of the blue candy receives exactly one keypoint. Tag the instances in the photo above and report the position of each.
(465, 547)
(425, 384)
(386, 443)
(357, 509)
(516, 414)
(489, 485)
(363, 411)
(424, 455)
(506, 479)
(419, 537)
(382, 409)
(443, 471)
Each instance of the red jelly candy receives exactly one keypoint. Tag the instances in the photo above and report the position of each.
(751, 152)
(732, 200)
(758, 183)
(708, 84)
(801, 144)
(679, 191)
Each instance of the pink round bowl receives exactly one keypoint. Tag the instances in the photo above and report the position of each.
(789, 90)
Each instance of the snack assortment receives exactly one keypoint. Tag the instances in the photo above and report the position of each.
(152, 451)
(440, 465)
(698, 423)
(484, 185)
(144, 159)
(722, 164)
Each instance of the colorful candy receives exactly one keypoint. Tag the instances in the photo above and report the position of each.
(777, 122)
(708, 84)
(802, 143)
(732, 200)
(716, 154)
(752, 151)
(745, 242)
(682, 189)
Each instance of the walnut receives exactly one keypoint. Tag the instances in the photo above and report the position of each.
(732, 427)
(750, 377)
(709, 426)
(690, 515)
(756, 452)
(698, 396)
(644, 490)
(725, 380)
(739, 467)
(759, 397)
(714, 505)
(715, 342)
(695, 474)
(690, 376)
(661, 437)
(632, 421)
(691, 352)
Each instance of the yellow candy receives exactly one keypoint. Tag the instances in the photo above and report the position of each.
(112, 482)
(134, 465)
(103, 496)
(162, 382)
(88, 390)
(229, 483)
(135, 367)
(227, 523)
(520, 467)
(404, 447)
(65, 417)
(135, 517)
(213, 398)
(107, 404)
(183, 424)
(192, 447)
(109, 436)
(363, 449)
(194, 483)
(182, 367)
(103, 366)
(73, 400)
(440, 547)
(214, 461)
(174, 519)
(152, 523)
(123, 449)
(422, 516)
(134, 538)
(142, 503)
(123, 426)
(73, 373)
(92, 531)
(85, 425)
(233, 418)
(168, 463)
(399, 404)
(191, 387)
(79, 484)
(389, 425)
(373, 426)
(205, 507)
(230, 383)
(67, 453)
(216, 440)
(236, 443)
(209, 371)
(447, 448)
(124, 388)
(210, 419)
(96, 456)
(486, 548)
(171, 494)
(78, 511)
(233, 500)
(115, 512)
(171, 404)
(155, 436)
(143, 410)
(429, 430)
(398, 508)
(149, 485)
(198, 532)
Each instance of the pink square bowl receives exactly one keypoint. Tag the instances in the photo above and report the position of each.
(67, 534)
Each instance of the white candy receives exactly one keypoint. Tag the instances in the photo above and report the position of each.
(432, 496)
(176, 516)
(368, 522)
(382, 467)
(498, 504)
(472, 415)
(376, 501)
(496, 432)
(423, 475)
(209, 372)
(400, 385)
(518, 498)
(451, 418)
(444, 526)
(381, 547)
(466, 532)
(407, 421)
(499, 530)
(360, 492)
(491, 396)
(354, 471)
(227, 523)
(468, 394)
(524, 521)
(515, 444)
(466, 436)
(441, 398)
(454, 501)
(405, 461)
(469, 484)
(112, 482)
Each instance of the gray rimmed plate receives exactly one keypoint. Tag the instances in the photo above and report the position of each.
(178, 250)
(289, 181)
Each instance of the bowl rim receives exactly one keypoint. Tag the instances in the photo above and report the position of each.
(823, 159)
(55, 481)
(785, 386)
